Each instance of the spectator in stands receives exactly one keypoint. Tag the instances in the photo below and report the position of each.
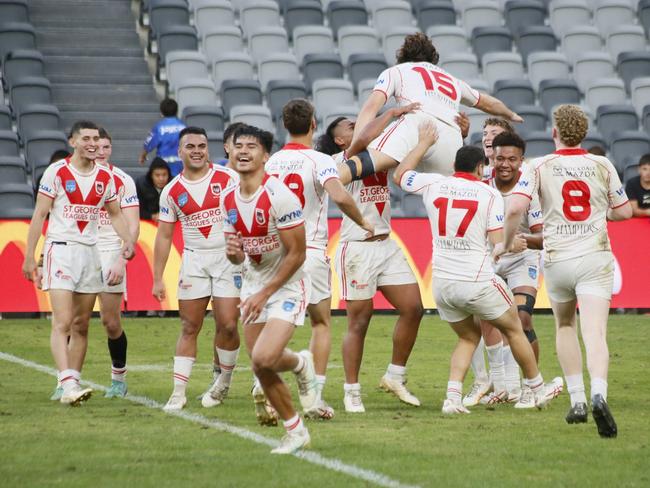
(149, 187)
(58, 155)
(164, 137)
(597, 150)
(638, 189)
(227, 141)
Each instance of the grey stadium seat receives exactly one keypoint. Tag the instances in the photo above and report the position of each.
(435, 12)
(16, 35)
(5, 117)
(502, 66)
(20, 63)
(594, 138)
(30, 90)
(547, 65)
(633, 64)
(476, 117)
(330, 93)
(640, 93)
(8, 143)
(215, 145)
(365, 66)
(16, 201)
(554, 92)
(535, 38)
(222, 39)
(211, 13)
(534, 118)
(302, 12)
(207, 116)
(164, 14)
(615, 118)
(355, 39)
(461, 65)
(523, 13)
(389, 13)
(232, 66)
(609, 14)
(630, 170)
(480, 14)
(312, 39)
(255, 115)
(278, 66)
(491, 39)
(176, 38)
(346, 12)
(591, 65)
(35, 117)
(644, 15)
(580, 39)
(625, 38)
(321, 65)
(605, 91)
(393, 39)
(239, 92)
(629, 144)
(12, 170)
(195, 91)
(256, 13)
(539, 143)
(448, 39)
(279, 92)
(14, 11)
(364, 89)
(514, 92)
(347, 111)
(565, 14)
(40, 145)
(181, 65)
(265, 40)
(645, 118)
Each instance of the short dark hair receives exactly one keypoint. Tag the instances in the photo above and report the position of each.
(79, 125)
(417, 48)
(58, 155)
(103, 134)
(499, 122)
(597, 150)
(192, 130)
(325, 142)
(230, 130)
(468, 158)
(264, 137)
(158, 163)
(169, 107)
(509, 139)
(645, 159)
(297, 116)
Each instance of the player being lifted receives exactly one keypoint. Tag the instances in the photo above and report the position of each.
(193, 198)
(266, 233)
(73, 191)
(465, 214)
(579, 192)
(417, 79)
(313, 176)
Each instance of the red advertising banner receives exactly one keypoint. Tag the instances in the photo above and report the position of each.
(629, 242)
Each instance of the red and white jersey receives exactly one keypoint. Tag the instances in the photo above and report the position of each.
(575, 189)
(78, 198)
(462, 210)
(260, 218)
(372, 197)
(197, 205)
(128, 197)
(439, 93)
(305, 172)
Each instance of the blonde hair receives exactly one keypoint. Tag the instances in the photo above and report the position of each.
(503, 123)
(571, 123)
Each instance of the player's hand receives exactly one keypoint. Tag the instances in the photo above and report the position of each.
(158, 290)
(116, 273)
(519, 244)
(235, 248)
(411, 107)
(128, 250)
(369, 228)
(30, 269)
(427, 133)
(463, 122)
(252, 307)
(38, 280)
(498, 251)
(516, 118)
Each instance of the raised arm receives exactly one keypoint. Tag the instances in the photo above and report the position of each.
(494, 106)
(368, 112)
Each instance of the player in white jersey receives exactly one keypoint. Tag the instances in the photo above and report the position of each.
(313, 177)
(579, 192)
(73, 191)
(113, 264)
(266, 233)
(465, 215)
(417, 79)
(193, 198)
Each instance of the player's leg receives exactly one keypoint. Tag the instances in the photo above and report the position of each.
(359, 313)
(62, 317)
(364, 164)
(320, 346)
(110, 313)
(494, 341)
(82, 307)
(525, 297)
(469, 336)
(481, 385)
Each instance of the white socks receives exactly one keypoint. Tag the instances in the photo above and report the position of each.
(598, 387)
(68, 378)
(511, 369)
(536, 383)
(454, 391)
(300, 365)
(576, 388)
(497, 368)
(351, 387)
(395, 372)
(478, 364)
(182, 371)
(118, 374)
(320, 384)
(227, 362)
(294, 424)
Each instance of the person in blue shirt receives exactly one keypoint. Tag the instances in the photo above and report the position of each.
(164, 137)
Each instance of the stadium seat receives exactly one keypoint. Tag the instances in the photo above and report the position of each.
(412, 206)
(609, 14)
(40, 145)
(181, 65)
(566, 14)
(239, 92)
(209, 14)
(628, 145)
(195, 91)
(278, 66)
(20, 63)
(630, 170)
(547, 65)
(580, 39)
(644, 15)
(633, 64)
(176, 38)
(355, 39)
(514, 92)
(208, 117)
(645, 118)
(16, 201)
(330, 93)
(625, 38)
(321, 65)
(594, 138)
(604, 91)
(302, 12)
(14, 11)
(364, 89)
(640, 93)
(478, 84)
(312, 39)
(222, 39)
(591, 65)
(365, 66)
(35, 117)
(448, 39)
(215, 145)
(481, 14)
(12, 170)
(556, 92)
(255, 115)
(346, 12)
(535, 38)
(539, 143)
(30, 90)
(502, 66)
(9, 143)
(165, 14)
(279, 92)
(16, 35)
(259, 13)
(461, 65)
(534, 116)
(614, 118)
(393, 40)
(347, 111)
(5, 118)
(267, 40)
(232, 66)
(476, 117)
(523, 13)
(389, 13)
(432, 13)
(491, 39)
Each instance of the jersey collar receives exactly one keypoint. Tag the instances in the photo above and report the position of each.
(573, 151)
(466, 176)
(295, 146)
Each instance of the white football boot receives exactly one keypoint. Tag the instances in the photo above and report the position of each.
(75, 394)
(476, 393)
(175, 403)
(352, 402)
(293, 441)
(450, 407)
(398, 388)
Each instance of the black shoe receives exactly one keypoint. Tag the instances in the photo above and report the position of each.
(603, 417)
(577, 414)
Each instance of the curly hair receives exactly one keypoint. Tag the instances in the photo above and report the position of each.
(571, 123)
(499, 122)
(417, 48)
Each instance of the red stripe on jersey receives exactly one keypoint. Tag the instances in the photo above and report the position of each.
(377, 179)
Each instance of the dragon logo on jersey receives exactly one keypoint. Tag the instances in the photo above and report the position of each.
(215, 188)
(70, 186)
(288, 306)
(99, 187)
(260, 218)
(532, 272)
(232, 216)
(182, 199)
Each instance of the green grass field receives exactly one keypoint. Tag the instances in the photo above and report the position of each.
(121, 442)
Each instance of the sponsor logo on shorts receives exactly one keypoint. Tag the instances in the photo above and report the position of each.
(532, 272)
(182, 199)
(288, 306)
(260, 218)
(358, 286)
(70, 186)
(99, 187)
(237, 280)
(184, 286)
(60, 275)
(232, 216)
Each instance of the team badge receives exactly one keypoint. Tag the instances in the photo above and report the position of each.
(237, 279)
(99, 187)
(259, 216)
(288, 306)
(232, 216)
(532, 272)
(216, 189)
(70, 186)
(182, 199)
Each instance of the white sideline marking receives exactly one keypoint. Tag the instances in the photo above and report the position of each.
(144, 368)
(309, 456)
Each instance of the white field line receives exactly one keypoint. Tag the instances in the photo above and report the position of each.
(203, 367)
(312, 457)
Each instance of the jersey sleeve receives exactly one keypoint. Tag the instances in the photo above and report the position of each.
(167, 207)
(535, 216)
(152, 139)
(49, 182)
(326, 169)
(130, 196)
(617, 195)
(286, 208)
(227, 224)
(528, 183)
(495, 213)
(110, 192)
(414, 182)
(468, 95)
(386, 83)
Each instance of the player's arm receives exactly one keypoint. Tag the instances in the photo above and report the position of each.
(121, 226)
(517, 205)
(162, 246)
(489, 104)
(619, 204)
(638, 211)
(427, 136)
(495, 237)
(622, 212)
(42, 209)
(369, 111)
(345, 202)
(235, 248)
(535, 239)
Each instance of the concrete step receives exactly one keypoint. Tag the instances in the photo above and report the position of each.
(125, 125)
(84, 37)
(96, 95)
(128, 52)
(82, 13)
(98, 70)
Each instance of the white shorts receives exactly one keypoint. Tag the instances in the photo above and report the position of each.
(592, 274)
(363, 267)
(289, 303)
(208, 274)
(521, 269)
(457, 300)
(317, 267)
(107, 258)
(72, 266)
(401, 137)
